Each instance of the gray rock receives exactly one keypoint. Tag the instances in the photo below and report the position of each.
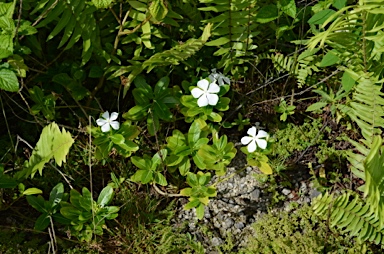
(286, 192)
(216, 241)
(290, 196)
(255, 194)
(239, 225)
(228, 223)
(314, 193)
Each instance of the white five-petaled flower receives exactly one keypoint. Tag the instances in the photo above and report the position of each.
(206, 92)
(254, 140)
(219, 77)
(106, 122)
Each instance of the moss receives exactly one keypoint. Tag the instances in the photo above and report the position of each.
(298, 232)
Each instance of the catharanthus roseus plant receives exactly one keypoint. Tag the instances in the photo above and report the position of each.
(199, 193)
(206, 97)
(256, 149)
(118, 137)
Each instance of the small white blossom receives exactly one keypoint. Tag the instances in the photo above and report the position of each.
(206, 92)
(106, 122)
(254, 140)
(219, 77)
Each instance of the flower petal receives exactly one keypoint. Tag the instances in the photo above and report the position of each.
(202, 101)
(246, 140)
(105, 127)
(252, 131)
(262, 134)
(262, 143)
(252, 146)
(101, 121)
(212, 99)
(227, 80)
(213, 88)
(115, 125)
(114, 116)
(203, 84)
(196, 92)
(220, 81)
(105, 115)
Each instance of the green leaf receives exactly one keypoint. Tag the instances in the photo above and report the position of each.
(218, 42)
(32, 191)
(191, 204)
(136, 113)
(320, 17)
(347, 81)
(56, 194)
(105, 196)
(143, 176)
(162, 111)
(194, 133)
(329, 59)
(117, 139)
(86, 200)
(317, 106)
(160, 179)
(192, 179)
(6, 181)
(338, 4)
(101, 4)
(52, 143)
(200, 211)
(37, 203)
(71, 213)
(158, 10)
(140, 162)
(267, 13)
(42, 222)
(8, 81)
(265, 168)
(288, 7)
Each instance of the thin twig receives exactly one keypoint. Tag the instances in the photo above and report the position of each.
(165, 193)
(62, 174)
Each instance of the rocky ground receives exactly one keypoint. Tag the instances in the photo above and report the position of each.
(241, 199)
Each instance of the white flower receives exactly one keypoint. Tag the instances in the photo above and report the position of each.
(254, 140)
(106, 122)
(219, 77)
(206, 92)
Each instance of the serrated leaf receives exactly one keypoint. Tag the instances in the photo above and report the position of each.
(8, 81)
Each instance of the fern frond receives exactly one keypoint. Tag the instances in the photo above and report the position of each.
(74, 19)
(374, 178)
(349, 213)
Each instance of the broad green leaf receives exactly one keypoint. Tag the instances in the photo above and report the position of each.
(158, 9)
(288, 7)
(347, 81)
(338, 4)
(153, 124)
(105, 196)
(140, 162)
(200, 211)
(329, 59)
(317, 106)
(265, 168)
(86, 200)
(101, 4)
(161, 87)
(70, 212)
(160, 179)
(8, 81)
(56, 194)
(159, 157)
(32, 191)
(136, 113)
(162, 111)
(185, 166)
(192, 179)
(117, 139)
(143, 176)
(186, 192)
(218, 42)
(320, 17)
(191, 204)
(267, 13)
(42, 222)
(37, 203)
(194, 133)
